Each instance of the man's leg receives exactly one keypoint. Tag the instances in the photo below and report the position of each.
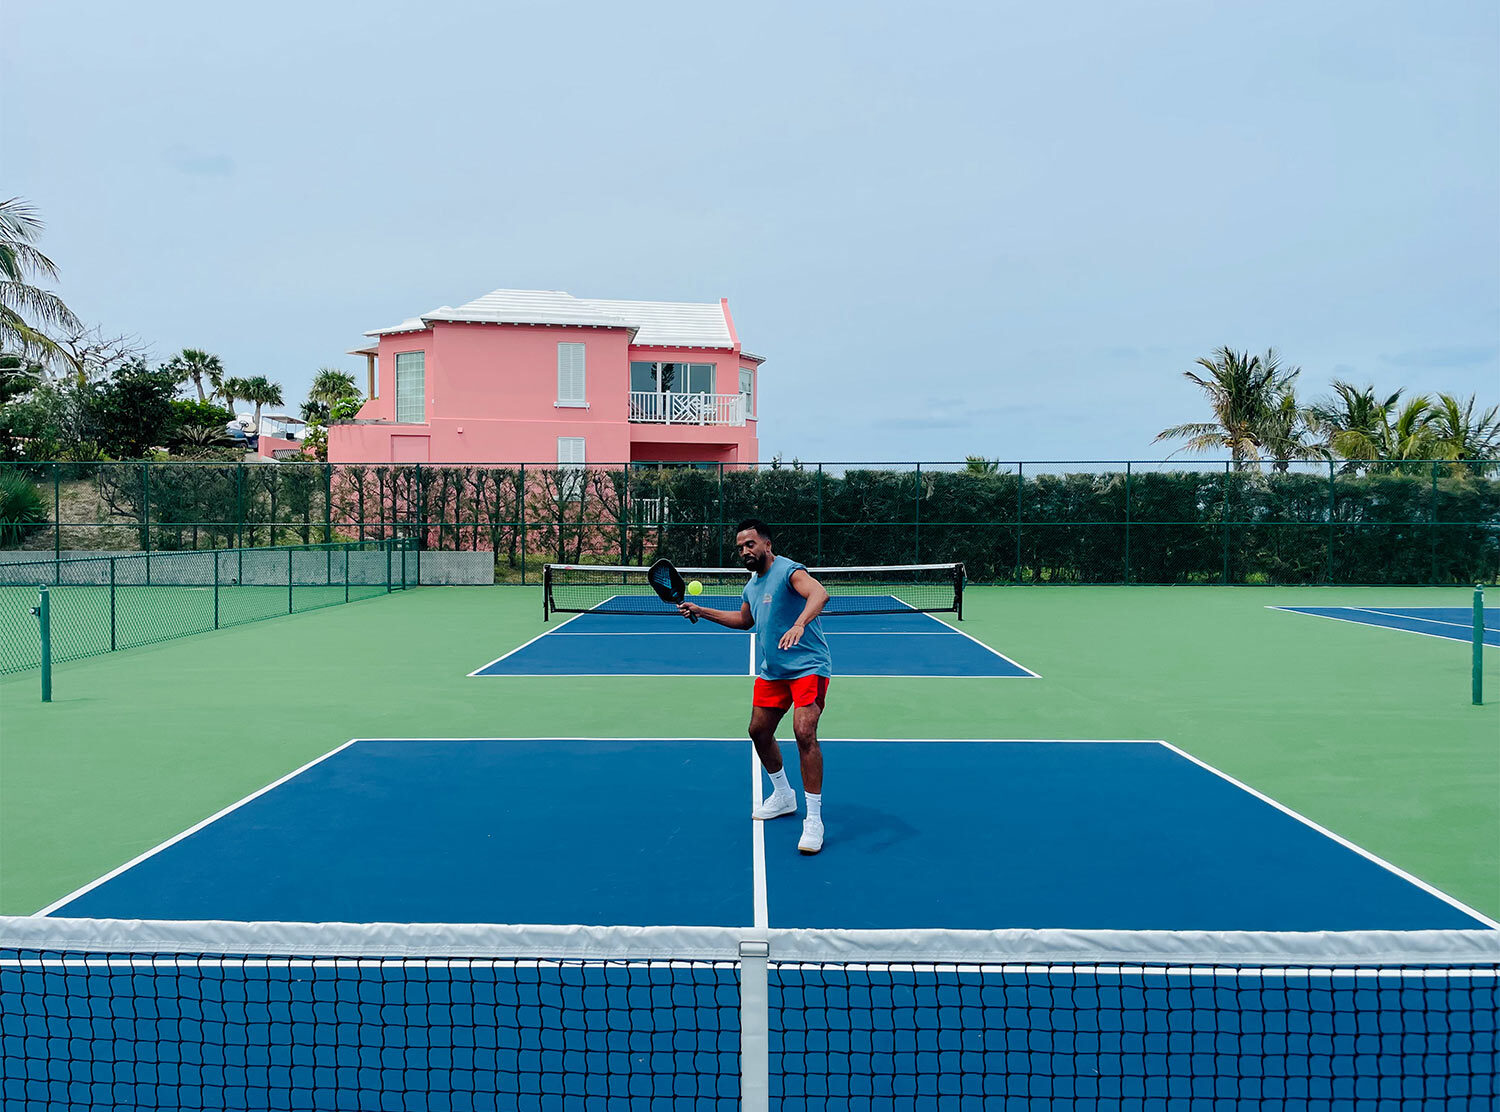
(763, 723)
(805, 726)
(782, 800)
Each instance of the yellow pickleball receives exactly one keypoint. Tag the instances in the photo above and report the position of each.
(695, 588)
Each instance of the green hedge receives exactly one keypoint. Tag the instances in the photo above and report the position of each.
(1145, 523)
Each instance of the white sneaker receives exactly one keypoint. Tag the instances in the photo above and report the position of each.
(775, 805)
(812, 837)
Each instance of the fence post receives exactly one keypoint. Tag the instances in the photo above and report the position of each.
(215, 555)
(112, 626)
(56, 517)
(43, 612)
(328, 503)
(720, 541)
(1127, 521)
(239, 505)
(421, 523)
(820, 513)
(917, 521)
(1332, 495)
(523, 523)
(1225, 580)
(288, 580)
(346, 574)
(388, 543)
(146, 515)
(1432, 524)
(1020, 489)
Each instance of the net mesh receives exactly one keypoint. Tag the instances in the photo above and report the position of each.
(599, 589)
(294, 1016)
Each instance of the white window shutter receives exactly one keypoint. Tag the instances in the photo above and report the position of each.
(571, 376)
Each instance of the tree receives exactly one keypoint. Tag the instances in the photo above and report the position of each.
(1457, 434)
(90, 354)
(196, 365)
(260, 391)
(26, 312)
(1353, 421)
(979, 465)
(330, 384)
(132, 412)
(1249, 395)
(231, 389)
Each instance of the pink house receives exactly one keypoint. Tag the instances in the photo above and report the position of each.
(523, 376)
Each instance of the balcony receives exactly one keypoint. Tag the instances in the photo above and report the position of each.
(652, 407)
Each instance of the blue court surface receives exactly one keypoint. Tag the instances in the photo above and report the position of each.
(921, 834)
(1454, 623)
(656, 832)
(900, 644)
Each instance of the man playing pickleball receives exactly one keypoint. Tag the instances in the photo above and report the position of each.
(782, 603)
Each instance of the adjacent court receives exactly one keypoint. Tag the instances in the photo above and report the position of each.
(605, 642)
(1453, 623)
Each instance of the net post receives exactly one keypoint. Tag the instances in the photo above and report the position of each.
(547, 593)
(958, 590)
(44, 618)
(1477, 668)
(755, 1023)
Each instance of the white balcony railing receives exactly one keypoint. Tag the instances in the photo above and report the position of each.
(687, 409)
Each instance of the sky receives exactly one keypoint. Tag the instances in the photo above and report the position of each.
(995, 229)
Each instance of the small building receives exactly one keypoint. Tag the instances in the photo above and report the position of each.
(522, 376)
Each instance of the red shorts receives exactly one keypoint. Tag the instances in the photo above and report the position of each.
(803, 691)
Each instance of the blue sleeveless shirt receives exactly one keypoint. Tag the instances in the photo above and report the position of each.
(776, 606)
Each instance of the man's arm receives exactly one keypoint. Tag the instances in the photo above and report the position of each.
(817, 597)
(741, 620)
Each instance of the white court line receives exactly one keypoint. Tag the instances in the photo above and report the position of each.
(172, 841)
(518, 648)
(1384, 864)
(1467, 627)
(751, 667)
(1375, 625)
(762, 919)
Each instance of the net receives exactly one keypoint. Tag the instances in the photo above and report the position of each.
(601, 589)
(139, 1014)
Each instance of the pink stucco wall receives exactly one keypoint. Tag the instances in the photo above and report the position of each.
(492, 397)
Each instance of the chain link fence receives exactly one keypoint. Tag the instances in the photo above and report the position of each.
(1408, 522)
(100, 604)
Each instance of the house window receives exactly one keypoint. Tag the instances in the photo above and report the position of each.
(571, 387)
(747, 390)
(570, 467)
(672, 378)
(411, 387)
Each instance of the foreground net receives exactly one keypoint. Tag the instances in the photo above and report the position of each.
(602, 589)
(114, 1014)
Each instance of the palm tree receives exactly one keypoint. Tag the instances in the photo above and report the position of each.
(1248, 394)
(233, 389)
(1409, 436)
(25, 310)
(261, 391)
(1354, 420)
(330, 384)
(1457, 434)
(191, 363)
(979, 465)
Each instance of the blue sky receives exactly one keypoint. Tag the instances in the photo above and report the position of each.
(991, 228)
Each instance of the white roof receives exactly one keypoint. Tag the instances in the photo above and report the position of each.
(659, 323)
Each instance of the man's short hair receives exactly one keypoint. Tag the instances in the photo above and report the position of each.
(753, 523)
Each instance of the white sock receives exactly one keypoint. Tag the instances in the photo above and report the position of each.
(815, 806)
(778, 781)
